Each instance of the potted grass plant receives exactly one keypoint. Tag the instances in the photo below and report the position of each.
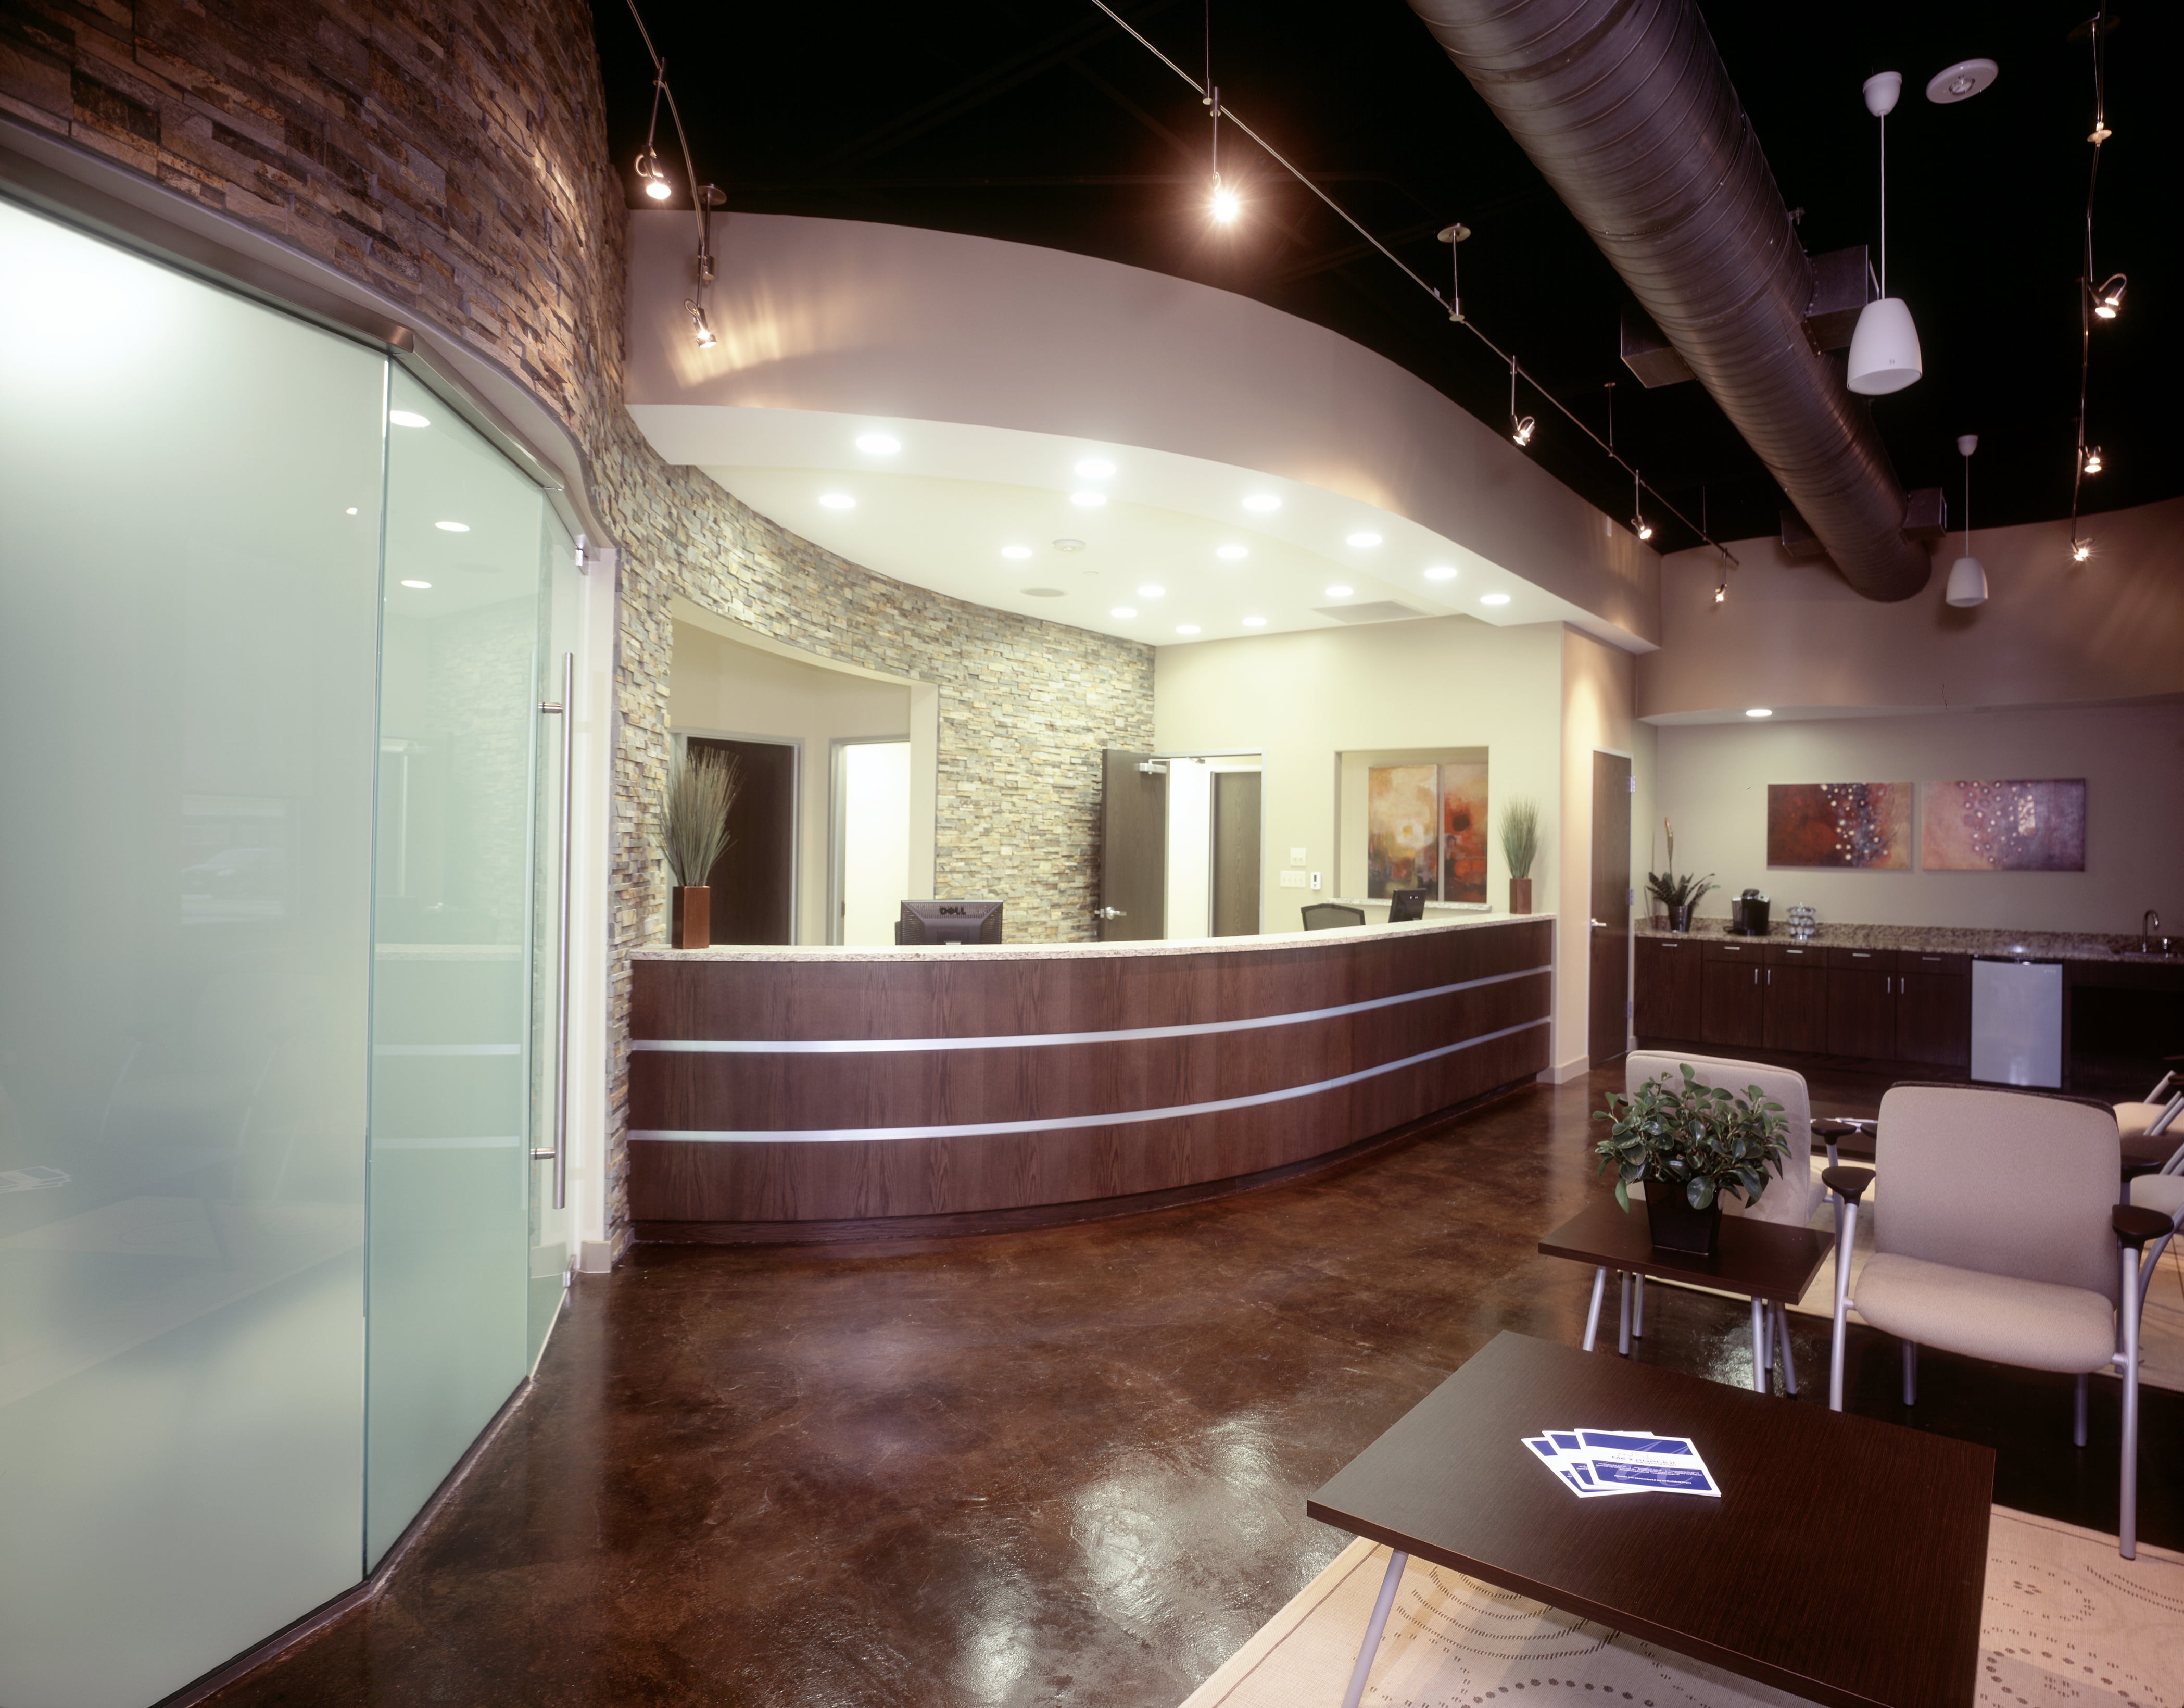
(693, 835)
(1691, 1144)
(1520, 847)
(1680, 896)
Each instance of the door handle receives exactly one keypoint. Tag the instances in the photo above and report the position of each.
(1109, 914)
(559, 1156)
(1600, 924)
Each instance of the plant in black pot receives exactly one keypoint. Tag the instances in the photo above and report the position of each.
(1690, 1144)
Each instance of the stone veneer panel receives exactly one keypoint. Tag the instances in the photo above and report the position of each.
(452, 156)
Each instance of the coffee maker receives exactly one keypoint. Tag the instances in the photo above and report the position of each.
(1748, 914)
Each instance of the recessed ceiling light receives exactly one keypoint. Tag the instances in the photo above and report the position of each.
(1232, 552)
(1042, 593)
(1363, 538)
(407, 418)
(1440, 572)
(1339, 591)
(1494, 599)
(837, 500)
(878, 443)
(1262, 500)
(421, 586)
(1123, 611)
(1759, 711)
(351, 509)
(1087, 501)
(1151, 591)
(1186, 629)
(1095, 468)
(1255, 623)
(453, 527)
(1018, 552)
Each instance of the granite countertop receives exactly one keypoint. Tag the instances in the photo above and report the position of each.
(1037, 951)
(1934, 940)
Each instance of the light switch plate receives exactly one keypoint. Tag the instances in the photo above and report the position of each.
(1296, 856)
(1315, 881)
(1293, 880)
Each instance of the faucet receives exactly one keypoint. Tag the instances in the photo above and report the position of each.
(2149, 922)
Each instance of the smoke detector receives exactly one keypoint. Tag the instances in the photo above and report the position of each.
(1960, 81)
(1069, 545)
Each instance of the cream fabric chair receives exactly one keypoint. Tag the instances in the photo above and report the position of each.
(1794, 1196)
(2003, 1241)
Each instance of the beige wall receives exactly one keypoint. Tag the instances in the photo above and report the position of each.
(1713, 781)
(2052, 631)
(716, 687)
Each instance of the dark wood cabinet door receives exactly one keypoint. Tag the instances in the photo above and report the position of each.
(1669, 1000)
(1861, 1013)
(1934, 1019)
(1735, 1004)
(1796, 1008)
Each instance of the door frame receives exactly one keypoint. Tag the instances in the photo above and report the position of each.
(680, 740)
(837, 805)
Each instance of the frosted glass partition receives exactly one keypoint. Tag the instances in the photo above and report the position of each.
(188, 589)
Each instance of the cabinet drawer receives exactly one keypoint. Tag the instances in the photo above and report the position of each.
(1796, 954)
(1864, 960)
(1713, 951)
(1918, 961)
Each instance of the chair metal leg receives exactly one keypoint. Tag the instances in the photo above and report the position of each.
(1910, 1372)
(1843, 1249)
(1638, 1308)
(1356, 1692)
(1759, 1346)
(1623, 1337)
(2078, 1412)
(1592, 1316)
(1789, 1357)
(2127, 1509)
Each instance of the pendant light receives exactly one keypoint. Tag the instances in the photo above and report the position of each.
(1884, 351)
(1967, 575)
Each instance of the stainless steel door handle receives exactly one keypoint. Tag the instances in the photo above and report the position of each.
(1109, 914)
(1600, 924)
(559, 1156)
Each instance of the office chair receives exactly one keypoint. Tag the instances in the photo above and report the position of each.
(1329, 915)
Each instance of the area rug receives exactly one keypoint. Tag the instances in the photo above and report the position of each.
(2067, 1621)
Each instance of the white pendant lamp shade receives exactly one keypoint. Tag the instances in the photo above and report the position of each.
(1884, 351)
(1967, 583)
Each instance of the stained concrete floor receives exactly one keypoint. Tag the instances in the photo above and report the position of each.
(1066, 1466)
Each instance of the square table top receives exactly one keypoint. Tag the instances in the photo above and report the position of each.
(1769, 1260)
(1844, 1561)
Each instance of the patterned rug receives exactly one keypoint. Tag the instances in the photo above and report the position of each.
(2067, 1621)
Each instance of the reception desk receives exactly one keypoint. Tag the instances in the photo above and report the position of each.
(804, 1093)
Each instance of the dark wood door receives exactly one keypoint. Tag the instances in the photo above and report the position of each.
(1236, 853)
(1133, 847)
(1608, 1029)
(1734, 1016)
(1670, 991)
(754, 882)
(1934, 1019)
(1861, 1013)
(1796, 994)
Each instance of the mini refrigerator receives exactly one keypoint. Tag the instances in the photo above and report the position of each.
(2017, 1021)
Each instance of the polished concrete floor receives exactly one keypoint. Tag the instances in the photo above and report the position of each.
(1063, 1466)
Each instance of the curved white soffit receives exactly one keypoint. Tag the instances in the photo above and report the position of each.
(888, 323)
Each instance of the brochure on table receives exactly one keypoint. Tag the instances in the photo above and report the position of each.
(1594, 1463)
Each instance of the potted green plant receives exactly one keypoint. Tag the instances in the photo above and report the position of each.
(1520, 847)
(1690, 1144)
(693, 835)
(1678, 896)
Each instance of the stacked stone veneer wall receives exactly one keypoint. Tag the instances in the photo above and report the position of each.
(452, 155)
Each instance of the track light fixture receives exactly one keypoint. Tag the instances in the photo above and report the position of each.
(648, 163)
(1721, 593)
(2092, 459)
(1453, 235)
(1224, 204)
(1639, 525)
(1520, 427)
(698, 325)
(704, 198)
(2108, 300)
(2081, 549)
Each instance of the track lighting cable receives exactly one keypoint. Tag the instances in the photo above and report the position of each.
(2097, 29)
(1207, 95)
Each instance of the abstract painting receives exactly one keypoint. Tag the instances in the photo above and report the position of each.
(1859, 824)
(2005, 826)
(1399, 842)
(1463, 832)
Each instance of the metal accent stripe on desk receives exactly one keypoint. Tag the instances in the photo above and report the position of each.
(971, 1129)
(1129, 1035)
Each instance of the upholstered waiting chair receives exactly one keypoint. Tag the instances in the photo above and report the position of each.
(1790, 1198)
(2002, 1240)
(1329, 915)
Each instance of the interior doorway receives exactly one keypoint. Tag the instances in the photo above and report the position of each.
(754, 882)
(1607, 1028)
(871, 838)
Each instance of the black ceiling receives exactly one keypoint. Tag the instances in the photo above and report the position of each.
(1041, 122)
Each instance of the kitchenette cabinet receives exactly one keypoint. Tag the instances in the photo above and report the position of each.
(1734, 1011)
(1669, 1000)
(1797, 998)
(1934, 1009)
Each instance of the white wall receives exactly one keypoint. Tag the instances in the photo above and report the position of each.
(716, 686)
(1713, 781)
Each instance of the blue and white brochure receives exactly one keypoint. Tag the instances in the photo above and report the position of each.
(1597, 1462)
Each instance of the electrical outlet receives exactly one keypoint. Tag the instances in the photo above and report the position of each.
(1293, 880)
(1296, 856)
(1315, 881)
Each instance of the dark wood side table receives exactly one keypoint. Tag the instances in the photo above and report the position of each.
(1769, 1263)
(1844, 1561)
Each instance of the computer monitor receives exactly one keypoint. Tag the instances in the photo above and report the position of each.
(1405, 904)
(949, 922)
